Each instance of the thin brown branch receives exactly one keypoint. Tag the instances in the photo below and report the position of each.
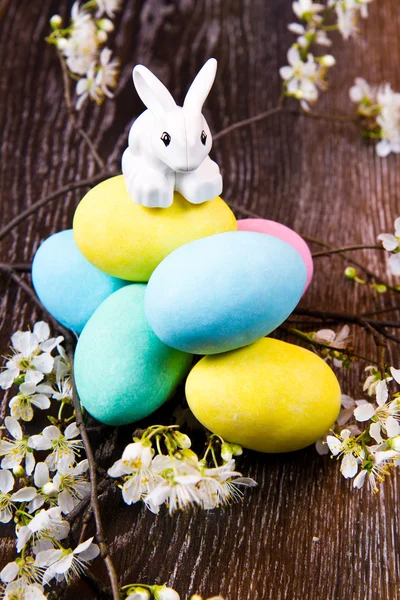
(324, 117)
(69, 187)
(29, 291)
(346, 249)
(94, 500)
(246, 122)
(18, 267)
(303, 336)
(72, 115)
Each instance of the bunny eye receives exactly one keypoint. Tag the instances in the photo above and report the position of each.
(203, 137)
(166, 138)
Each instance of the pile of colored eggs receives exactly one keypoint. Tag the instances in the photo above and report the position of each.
(215, 287)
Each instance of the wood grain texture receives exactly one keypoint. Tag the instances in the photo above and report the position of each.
(318, 177)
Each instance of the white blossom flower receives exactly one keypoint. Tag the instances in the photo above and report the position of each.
(64, 446)
(135, 467)
(179, 485)
(71, 484)
(21, 589)
(335, 340)
(373, 379)
(22, 568)
(63, 392)
(107, 73)
(389, 241)
(306, 34)
(30, 394)
(63, 563)
(7, 500)
(303, 78)
(222, 485)
(46, 489)
(16, 450)
(46, 525)
(348, 405)
(346, 18)
(81, 48)
(345, 445)
(108, 7)
(374, 468)
(31, 354)
(305, 9)
(361, 92)
(87, 87)
(389, 121)
(386, 415)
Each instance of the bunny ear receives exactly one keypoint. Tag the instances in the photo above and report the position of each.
(152, 92)
(201, 86)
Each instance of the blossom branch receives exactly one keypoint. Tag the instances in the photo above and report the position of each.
(72, 115)
(94, 500)
(69, 187)
(346, 249)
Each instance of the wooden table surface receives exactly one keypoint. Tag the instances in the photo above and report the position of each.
(318, 177)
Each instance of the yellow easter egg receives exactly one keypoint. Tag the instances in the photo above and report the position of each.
(128, 241)
(270, 396)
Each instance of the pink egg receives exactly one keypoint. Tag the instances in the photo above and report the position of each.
(286, 235)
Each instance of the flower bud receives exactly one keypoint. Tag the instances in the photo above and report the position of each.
(55, 22)
(164, 593)
(226, 452)
(350, 273)
(105, 25)
(394, 443)
(19, 471)
(236, 450)
(62, 43)
(138, 593)
(327, 61)
(49, 489)
(182, 439)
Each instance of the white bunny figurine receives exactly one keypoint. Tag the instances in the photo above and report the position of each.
(169, 144)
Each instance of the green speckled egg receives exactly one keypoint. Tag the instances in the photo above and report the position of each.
(123, 372)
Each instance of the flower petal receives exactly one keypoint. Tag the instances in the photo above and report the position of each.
(10, 572)
(6, 481)
(392, 427)
(24, 494)
(71, 431)
(389, 242)
(375, 432)
(42, 331)
(43, 363)
(13, 427)
(41, 476)
(349, 466)
(364, 412)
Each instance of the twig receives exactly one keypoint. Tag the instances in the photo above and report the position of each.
(345, 249)
(73, 185)
(94, 500)
(72, 115)
(18, 267)
(324, 117)
(303, 336)
(246, 122)
(28, 290)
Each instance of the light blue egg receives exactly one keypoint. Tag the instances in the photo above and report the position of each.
(224, 291)
(123, 372)
(68, 286)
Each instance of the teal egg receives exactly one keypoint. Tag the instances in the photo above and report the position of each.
(68, 286)
(123, 372)
(224, 291)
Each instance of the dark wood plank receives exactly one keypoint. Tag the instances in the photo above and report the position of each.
(314, 176)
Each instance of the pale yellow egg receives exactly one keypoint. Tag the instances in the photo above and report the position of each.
(270, 396)
(128, 241)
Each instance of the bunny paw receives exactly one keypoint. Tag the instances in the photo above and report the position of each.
(151, 191)
(197, 191)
